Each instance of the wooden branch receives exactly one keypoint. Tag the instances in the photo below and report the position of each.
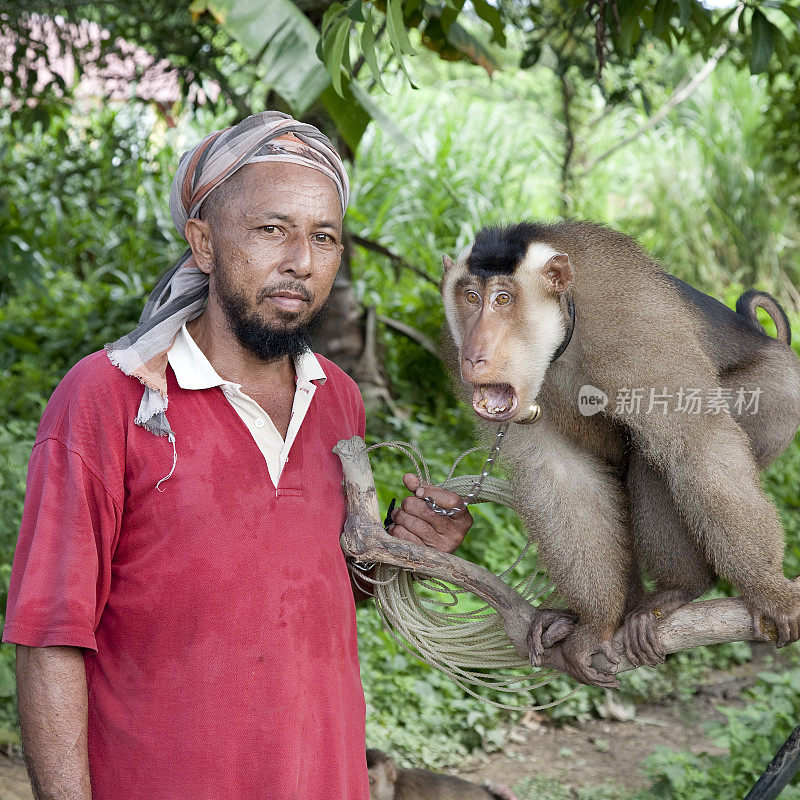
(397, 260)
(416, 336)
(364, 540)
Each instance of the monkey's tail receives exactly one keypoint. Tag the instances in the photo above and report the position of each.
(747, 304)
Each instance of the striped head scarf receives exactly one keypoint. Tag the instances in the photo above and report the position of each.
(182, 292)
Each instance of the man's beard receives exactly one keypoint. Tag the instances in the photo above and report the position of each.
(268, 342)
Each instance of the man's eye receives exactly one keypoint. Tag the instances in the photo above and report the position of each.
(269, 228)
(473, 297)
(502, 298)
(324, 238)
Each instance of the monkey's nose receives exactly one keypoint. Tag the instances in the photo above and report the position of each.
(474, 360)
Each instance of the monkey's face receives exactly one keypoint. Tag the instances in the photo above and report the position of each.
(507, 324)
(382, 779)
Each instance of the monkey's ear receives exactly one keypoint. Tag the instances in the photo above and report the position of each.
(558, 272)
(447, 262)
(391, 770)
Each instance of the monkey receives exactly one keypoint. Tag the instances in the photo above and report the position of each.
(387, 782)
(549, 313)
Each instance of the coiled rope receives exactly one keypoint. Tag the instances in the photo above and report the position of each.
(470, 647)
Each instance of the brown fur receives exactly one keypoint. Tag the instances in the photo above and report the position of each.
(678, 494)
(387, 782)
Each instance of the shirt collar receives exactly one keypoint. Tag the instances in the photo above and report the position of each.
(194, 371)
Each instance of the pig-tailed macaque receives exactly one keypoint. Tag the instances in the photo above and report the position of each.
(657, 416)
(387, 782)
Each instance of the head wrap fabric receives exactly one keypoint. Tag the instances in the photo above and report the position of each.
(182, 292)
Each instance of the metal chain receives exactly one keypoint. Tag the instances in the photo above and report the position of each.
(475, 490)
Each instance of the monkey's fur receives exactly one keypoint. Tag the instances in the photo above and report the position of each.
(387, 782)
(677, 494)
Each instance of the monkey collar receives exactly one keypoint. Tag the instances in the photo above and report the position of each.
(570, 328)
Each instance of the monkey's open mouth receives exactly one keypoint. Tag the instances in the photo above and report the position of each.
(496, 402)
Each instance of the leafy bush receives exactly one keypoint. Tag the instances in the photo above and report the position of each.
(751, 735)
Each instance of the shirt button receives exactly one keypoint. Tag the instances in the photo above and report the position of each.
(258, 422)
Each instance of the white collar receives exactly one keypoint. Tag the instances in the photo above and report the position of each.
(194, 371)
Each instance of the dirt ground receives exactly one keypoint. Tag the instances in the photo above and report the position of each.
(590, 754)
(602, 750)
(13, 780)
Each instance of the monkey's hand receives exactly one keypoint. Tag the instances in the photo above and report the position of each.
(549, 626)
(786, 619)
(577, 651)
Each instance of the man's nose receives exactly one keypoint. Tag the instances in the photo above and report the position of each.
(299, 259)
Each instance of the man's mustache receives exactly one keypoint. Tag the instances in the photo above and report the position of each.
(287, 286)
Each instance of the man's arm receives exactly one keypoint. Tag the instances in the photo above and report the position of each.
(53, 703)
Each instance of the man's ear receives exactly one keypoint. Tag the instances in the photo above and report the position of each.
(198, 234)
(558, 272)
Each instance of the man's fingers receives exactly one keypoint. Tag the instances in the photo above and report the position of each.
(419, 508)
(442, 497)
(401, 532)
(419, 527)
(411, 481)
(439, 524)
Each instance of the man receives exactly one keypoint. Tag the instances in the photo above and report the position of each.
(181, 606)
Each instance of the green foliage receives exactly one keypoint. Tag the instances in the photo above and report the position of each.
(751, 735)
(83, 194)
(416, 712)
(540, 788)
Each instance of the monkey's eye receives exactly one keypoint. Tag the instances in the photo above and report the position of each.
(502, 298)
(473, 297)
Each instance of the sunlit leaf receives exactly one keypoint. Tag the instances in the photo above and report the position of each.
(334, 51)
(395, 24)
(369, 52)
(283, 40)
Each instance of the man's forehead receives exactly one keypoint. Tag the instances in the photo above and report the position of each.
(278, 187)
(285, 176)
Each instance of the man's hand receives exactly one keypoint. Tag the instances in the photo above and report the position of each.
(415, 522)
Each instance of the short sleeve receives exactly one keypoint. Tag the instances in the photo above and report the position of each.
(62, 565)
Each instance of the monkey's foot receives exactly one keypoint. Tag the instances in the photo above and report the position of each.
(787, 623)
(577, 652)
(642, 645)
(548, 627)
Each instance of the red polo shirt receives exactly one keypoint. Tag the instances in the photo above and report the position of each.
(216, 614)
